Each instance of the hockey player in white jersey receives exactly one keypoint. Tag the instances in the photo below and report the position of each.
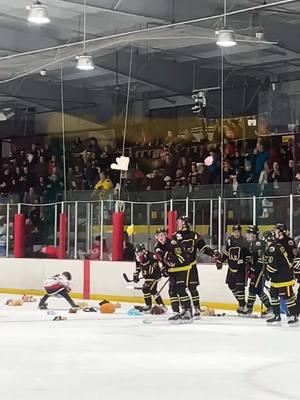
(59, 284)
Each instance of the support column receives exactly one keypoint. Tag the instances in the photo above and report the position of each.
(62, 236)
(19, 236)
(117, 236)
(172, 218)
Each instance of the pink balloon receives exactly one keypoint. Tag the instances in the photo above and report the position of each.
(208, 161)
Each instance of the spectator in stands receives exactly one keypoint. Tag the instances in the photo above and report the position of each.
(51, 165)
(180, 179)
(263, 181)
(103, 186)
(41, 168)
(95, 253)
(128, 248)
(31, 196)
(193, 176)
(5, 182)
(228, 172)
(274, 177)
(203, 174)
(41, 189)
(3, 229)
(154, 181)
(78, 178)
(259, 159)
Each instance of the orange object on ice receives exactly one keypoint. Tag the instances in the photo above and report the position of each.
(107, 308)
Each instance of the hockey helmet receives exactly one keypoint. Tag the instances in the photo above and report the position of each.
(161, 230)
(236, 228)
(253, 229)
(281, 227)
(269, 236)
(140, 248)
(67, 275)
(185, 222)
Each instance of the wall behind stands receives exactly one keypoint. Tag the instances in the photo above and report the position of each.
(99, 280)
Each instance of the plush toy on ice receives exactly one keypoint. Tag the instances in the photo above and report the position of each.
(58, 285)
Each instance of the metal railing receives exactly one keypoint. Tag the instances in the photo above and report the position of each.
(210, 216)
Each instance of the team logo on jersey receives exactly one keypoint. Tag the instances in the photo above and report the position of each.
(234, 253)
(188, 245)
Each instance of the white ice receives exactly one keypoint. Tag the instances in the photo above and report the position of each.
(118, 357)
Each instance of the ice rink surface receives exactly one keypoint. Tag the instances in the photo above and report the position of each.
(119, 357)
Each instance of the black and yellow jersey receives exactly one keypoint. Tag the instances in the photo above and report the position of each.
(278, 266)
(149, 267)
(257, 249)
(289, 245)
(236, 252)
(186, 243)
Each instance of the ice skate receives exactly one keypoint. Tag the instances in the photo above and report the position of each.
(293, 319)
(144, 309)
(43, 306)
(197, 313)
(175, 317)
(275, 320)
(186, 317)
(241, 310)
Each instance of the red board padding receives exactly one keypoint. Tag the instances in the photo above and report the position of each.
(62, 236)
(19, 236)
(86, 279)
(172, 218)
(117, 236)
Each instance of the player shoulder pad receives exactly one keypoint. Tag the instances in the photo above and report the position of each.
(258, 244)
(173, 242)
(271, 249)
(229, 242)
(291, 242)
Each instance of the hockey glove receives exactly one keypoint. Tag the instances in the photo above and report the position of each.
(219, 264)
(164, 272)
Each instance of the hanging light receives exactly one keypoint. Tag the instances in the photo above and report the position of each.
(226, 38)
(38, 13)
(85, 63)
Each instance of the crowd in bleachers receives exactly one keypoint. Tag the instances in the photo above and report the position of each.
(35, 175)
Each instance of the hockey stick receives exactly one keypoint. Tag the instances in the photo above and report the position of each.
(129, 280)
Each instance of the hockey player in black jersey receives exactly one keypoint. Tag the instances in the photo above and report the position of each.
(279, 271)
(161, 247)
(286, 241)
(147, 264)
(236, 253)
(256, 269)
(186, 243)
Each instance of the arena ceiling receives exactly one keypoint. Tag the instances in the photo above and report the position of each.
(162, 66)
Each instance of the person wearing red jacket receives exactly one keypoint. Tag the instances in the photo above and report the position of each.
(59, 284)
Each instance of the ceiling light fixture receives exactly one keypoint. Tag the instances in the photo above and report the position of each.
(84, 61)
(38, 13)
(226, 38)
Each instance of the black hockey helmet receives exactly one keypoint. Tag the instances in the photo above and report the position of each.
(140, 247)
(281, 227)
(253, 229)
(236, 228)
(161, 230)
(185, 221)
(269, 236)
(67, 275)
